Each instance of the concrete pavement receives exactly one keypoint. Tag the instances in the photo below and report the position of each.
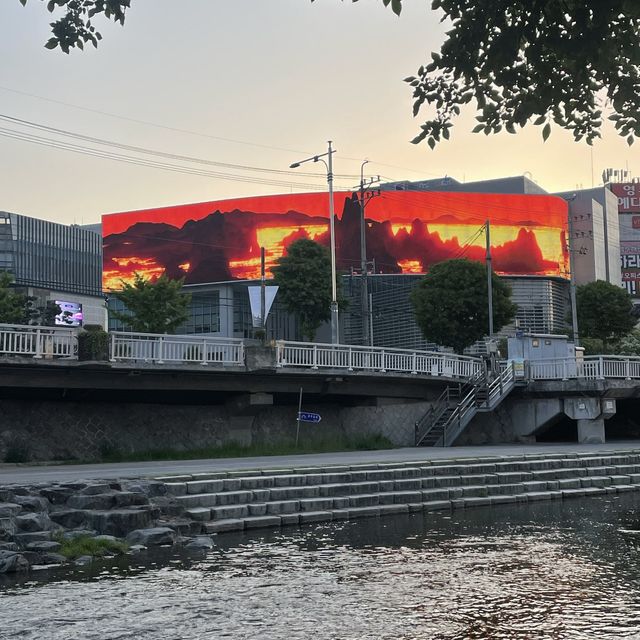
(26, 474)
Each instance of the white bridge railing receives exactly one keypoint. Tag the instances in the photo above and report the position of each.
(586, 368)
(37, 342)
(158, 349)
(313, 356)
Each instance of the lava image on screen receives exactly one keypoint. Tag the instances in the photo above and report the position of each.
(70, 314)
(406, 232)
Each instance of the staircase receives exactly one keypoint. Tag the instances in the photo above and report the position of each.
(458, 404)
(243, 500)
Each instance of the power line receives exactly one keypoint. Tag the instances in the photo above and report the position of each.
(162, 154)
(145, 162)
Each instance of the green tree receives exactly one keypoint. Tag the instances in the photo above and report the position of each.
(550, 61)
(304, 278)
(451, 305)
(629, 345)
(13, 305)
(153, 307)
(604, 311)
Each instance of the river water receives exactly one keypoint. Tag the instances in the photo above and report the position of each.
(554, 570)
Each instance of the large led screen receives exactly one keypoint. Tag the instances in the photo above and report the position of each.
(406, 232)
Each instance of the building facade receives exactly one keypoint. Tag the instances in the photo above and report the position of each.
(54, 262)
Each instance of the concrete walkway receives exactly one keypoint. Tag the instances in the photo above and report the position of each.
(26, 474)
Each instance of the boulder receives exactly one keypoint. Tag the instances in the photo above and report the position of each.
(9, 546)
(32, 503)
(24, 539)
(119, 522)
(95, 489)
(137, 548)
(77, 533)
(93, 501)
(34, 522)
(56, 495)
(12, 562)
(9, 509)
(49, 546)
(200, 542)
(6, 495)
(152, 537)
(83, 560)
(69, 518)
(129, 498)
(52, 558)
(7, 528)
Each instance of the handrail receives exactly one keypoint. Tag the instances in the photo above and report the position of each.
(186, 349)
(380, 359)
(596, 367)
(38, 341)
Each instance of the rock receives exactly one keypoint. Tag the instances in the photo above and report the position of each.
(52, 558)
(47, 546)
(106, 537)
(9, 546)
(9, 509)
(96, 489)
(56, 495)
(74, 486)
(200, 542)
(32, 503)
(77, 533)
(24, 539)
(34, 522)
(183, 526)
(129, 498)
(69, 518)
(12, 562)
(137, 548)
(119, 522)
(7, 528)
(20, 491)
(83, 560)
(6, 495)
(93, 501)
(152, 537)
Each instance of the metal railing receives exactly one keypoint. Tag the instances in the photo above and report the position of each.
(158, 349)
(311, 355)
(587, 368)
(38, 342)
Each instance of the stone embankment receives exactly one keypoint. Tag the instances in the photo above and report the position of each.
(191, 509)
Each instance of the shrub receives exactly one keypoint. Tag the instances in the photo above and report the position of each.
(93, 343)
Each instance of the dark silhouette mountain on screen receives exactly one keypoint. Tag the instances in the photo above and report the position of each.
(210, 244)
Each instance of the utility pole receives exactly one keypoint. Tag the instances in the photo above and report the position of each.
(364, 196)
(263, 306)
(572, 286)
(489, 279)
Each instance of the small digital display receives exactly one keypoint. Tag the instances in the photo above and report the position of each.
(70, 314)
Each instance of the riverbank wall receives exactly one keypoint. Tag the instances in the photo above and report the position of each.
(192, 509)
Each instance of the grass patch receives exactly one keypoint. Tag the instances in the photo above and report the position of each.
(73, 548)
(234, 450)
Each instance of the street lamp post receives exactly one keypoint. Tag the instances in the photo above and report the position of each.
(335, 338)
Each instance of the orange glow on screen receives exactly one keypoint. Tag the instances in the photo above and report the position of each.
(406, 232)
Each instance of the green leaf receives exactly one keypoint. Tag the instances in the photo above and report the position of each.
(52, 43)
(546, 132)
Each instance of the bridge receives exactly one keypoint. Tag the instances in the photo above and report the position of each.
(458, 389)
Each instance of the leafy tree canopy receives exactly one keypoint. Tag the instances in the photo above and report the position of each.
(304, 278)
(153, 307)
(12, 304)
(451, 304)
(604, 311)
(75, 27)
(568, 62)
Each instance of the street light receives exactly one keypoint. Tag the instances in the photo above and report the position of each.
(334, 294)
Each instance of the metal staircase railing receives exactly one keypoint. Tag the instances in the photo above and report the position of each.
(448, 417)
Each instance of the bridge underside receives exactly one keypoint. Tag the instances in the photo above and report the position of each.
(204, 384)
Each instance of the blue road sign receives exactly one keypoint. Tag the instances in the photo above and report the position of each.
(307, 416)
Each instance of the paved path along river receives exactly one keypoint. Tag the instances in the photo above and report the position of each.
(65, 473)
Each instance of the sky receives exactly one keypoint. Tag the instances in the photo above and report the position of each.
(251, 83)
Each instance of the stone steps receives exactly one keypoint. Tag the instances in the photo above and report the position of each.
(236, 500)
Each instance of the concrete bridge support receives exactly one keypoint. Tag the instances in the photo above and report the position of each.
(590, 414)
